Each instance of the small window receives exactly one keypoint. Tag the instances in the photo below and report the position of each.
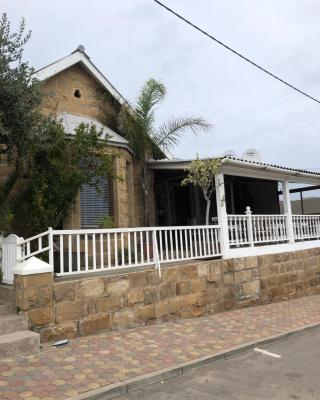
(77, 93)
(95, 204)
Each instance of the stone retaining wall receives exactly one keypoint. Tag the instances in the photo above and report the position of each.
(87, 305)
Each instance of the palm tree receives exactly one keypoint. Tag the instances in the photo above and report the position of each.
(147, 141)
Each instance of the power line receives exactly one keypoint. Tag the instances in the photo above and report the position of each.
(235, 52)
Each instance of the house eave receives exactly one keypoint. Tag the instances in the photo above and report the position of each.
(246, 168)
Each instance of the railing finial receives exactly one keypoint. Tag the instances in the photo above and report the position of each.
(248, 210)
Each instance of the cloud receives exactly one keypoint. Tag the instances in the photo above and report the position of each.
(133, 41)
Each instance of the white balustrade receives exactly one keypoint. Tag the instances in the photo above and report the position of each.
(306, 227)
(238, 230)
(93, 250)
(269, 228)
(245, 230)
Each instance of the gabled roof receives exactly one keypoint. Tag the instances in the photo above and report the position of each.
(71, 121)
(78, 57)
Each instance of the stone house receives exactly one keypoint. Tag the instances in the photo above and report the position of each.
(75, 92)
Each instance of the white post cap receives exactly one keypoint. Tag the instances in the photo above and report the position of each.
(32, 266)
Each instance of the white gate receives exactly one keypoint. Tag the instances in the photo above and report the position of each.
(9, 257)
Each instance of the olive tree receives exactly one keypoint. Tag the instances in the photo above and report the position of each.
(201, 173)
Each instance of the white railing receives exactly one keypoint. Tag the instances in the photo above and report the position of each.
(269, 228)
(34, 245)
(93, 250)
(238, 230)
(250, 230)
(306, 227)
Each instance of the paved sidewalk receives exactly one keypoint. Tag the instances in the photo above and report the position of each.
(94, 361)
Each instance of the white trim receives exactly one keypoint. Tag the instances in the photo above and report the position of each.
(271, 249)
(246, 169)
(71, 121)
(69, 61)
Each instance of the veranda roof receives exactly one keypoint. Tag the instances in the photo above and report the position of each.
(241, 167)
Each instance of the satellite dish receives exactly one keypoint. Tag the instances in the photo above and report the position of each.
(230, 154)
(252, 155)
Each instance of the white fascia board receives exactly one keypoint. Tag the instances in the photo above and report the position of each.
(69, 61)
(239, 168)
(169, 164)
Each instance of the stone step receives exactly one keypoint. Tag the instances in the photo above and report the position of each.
(7, 293)
(22, 342)
(7, 308)
(12, 323)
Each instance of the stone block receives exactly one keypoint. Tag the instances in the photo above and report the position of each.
(202, 270)
(142, 314)
(166, 290)
(109, 303)
(135, 296)
(35, 281)
(138, 280)
(214, 277)
(123, 319)
(58, 332)
(92, 287)
(182, 302)
(40, 316)
(252, 262)
(227, 266)
(228, 292)
(171, 274)
(228, 278)
(117, 286)
(154, 278)
(183, 287)
(239, 264)
(198, 285)
(202, 299)
(265, 260)
(68, 311)
(31, 299)
(151, 295)
(94, 324)
(242, 276)
(64, 291)
(161, 309)
(45, 297)
(251, 288)
(188, 272)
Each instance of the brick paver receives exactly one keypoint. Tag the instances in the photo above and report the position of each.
(91, 362)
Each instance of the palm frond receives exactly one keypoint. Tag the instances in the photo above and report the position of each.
(168, 135)
(152, 93)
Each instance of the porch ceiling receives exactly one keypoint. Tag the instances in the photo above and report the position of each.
(240, 167)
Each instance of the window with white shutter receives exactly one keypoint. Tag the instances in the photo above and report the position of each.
(95, 204)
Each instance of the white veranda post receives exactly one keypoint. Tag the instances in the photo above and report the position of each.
(287, 210)
(222, 212)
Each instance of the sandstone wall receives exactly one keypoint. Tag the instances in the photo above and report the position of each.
(58, 97)
(84, 306)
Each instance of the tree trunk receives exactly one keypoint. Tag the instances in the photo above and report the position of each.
(208, 211)
(145, 186)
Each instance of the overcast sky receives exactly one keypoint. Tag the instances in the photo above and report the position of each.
(133, 40)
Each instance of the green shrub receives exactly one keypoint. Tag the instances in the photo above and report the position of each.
(106, 222)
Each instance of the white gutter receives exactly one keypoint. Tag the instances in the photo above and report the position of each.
(244, 164)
